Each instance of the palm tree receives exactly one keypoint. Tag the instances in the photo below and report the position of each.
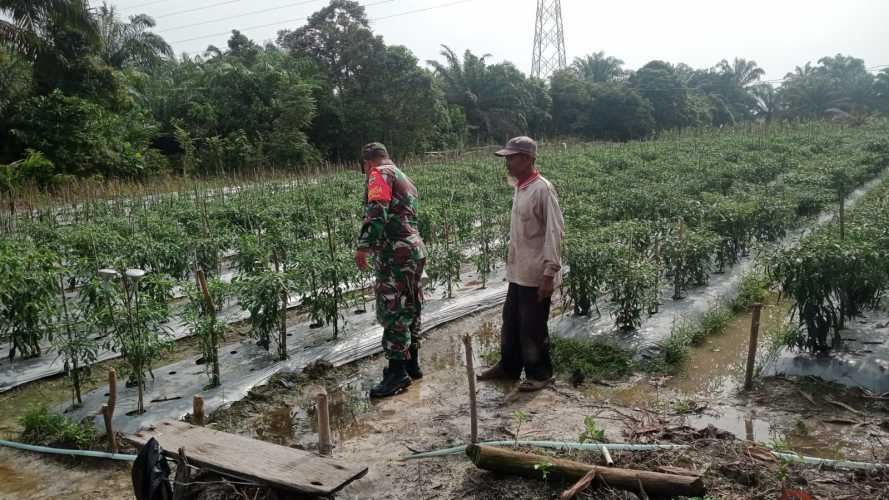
(767, 101)
(27, 29)
(744, 72)
(598, 68)
(809, 93)
(881, 90)
(130, 44)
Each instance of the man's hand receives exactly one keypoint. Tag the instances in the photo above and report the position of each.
(545, 290)
(361, 259)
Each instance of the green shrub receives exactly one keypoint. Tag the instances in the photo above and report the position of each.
(44, 428)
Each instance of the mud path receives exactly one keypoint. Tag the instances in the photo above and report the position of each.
(434, 413)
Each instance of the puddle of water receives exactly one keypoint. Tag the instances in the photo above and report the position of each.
(717, 368)
(713, 374)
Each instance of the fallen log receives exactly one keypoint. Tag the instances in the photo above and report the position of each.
(655, 484)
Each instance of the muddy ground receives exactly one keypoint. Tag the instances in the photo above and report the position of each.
(804, 415)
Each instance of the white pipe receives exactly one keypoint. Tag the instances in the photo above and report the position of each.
(60, 451)
(842, 464)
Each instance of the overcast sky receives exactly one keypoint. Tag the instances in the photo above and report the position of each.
(777, 34)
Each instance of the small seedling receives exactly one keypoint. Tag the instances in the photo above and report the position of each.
(591, 432)
(519, 417)
(544, 468)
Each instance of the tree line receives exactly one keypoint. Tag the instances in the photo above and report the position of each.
(86, 93)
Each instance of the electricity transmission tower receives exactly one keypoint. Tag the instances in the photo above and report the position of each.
(549, 39)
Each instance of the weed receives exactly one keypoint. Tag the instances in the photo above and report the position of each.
(544, 468)
(591, 431)
(42, 427)
(592, 359)
(713, 322)
(753, 288)
(491, 357)
(681, 406)
(776, 339)
(519, 417)
(778, 444)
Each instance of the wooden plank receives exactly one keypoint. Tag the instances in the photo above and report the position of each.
(285, 468)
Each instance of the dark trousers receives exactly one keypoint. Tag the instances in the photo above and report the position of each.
(524, 340)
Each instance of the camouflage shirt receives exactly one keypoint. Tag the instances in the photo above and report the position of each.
(390, 215)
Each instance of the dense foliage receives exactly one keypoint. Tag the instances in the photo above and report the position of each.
(98, 95)
(841, 271)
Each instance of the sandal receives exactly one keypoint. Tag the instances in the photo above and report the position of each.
(530, 385)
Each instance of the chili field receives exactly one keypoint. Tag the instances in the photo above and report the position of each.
(81, 275)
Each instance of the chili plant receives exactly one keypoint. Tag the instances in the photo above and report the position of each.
(139, 333)
(200, 315)
(74, 341)
(28, 294)
(632, 281)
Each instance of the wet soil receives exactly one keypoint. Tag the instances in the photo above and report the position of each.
(55, 391)
(30, 475)
(434, 413)
(797, 414)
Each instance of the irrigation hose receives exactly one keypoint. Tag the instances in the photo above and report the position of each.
(73, 453)
(787, 457)
(557, 445)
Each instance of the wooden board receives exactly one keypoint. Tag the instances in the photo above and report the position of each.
(285, 468)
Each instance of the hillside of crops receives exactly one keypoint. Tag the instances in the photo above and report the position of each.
(639, 217)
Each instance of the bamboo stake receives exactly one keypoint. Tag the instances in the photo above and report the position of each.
(470, 372)
(183, 477)
(324, 445)
(108, 409)
(197, 411)
(112, 390)
(107, 413)
(751, 352)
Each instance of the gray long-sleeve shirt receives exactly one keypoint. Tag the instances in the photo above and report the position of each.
(535, 234)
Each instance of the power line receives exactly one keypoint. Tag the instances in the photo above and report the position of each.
(140, 5)
(196, 9)
(276, 23)
(262, 11)
(417, 11)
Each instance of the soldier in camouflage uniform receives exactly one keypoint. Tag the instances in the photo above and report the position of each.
(390, 232)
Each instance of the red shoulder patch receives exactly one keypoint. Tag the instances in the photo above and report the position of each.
(378, 189)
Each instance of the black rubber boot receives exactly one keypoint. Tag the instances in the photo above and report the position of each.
(412, 366)
(395, 380)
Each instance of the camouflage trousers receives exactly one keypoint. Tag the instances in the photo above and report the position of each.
(399, 303)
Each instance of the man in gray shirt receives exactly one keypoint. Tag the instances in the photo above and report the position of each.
(533, 269)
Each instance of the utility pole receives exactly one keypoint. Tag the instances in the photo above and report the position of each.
(549, 39)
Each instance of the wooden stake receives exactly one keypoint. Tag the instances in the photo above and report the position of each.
(751, 352)
(579, 486)
(183, 477)
(112, 390)
(470, 372)
(107, 414)
(197, 411)
(324, 445)
(654, 484)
